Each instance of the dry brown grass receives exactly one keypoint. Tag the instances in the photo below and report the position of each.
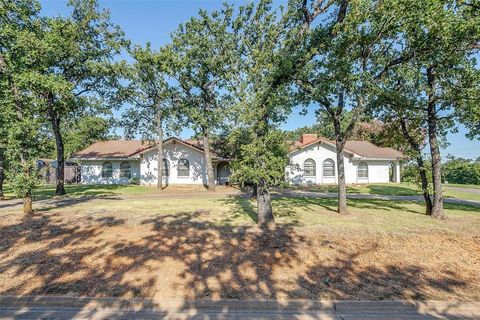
(210, 249)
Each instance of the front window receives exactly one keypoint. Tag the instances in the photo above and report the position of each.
(166, 168)
(329, 168)
(183, 168)
(125, 170)
(309, 168)
(107, 170)
(362, 170)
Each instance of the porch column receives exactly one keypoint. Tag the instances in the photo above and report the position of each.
(397, 172)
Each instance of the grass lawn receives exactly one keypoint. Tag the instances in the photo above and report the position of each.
(401, 189)
(77, 190)
(208, 247)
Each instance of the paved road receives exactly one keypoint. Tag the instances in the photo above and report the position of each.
(56, 202)
(43, 307)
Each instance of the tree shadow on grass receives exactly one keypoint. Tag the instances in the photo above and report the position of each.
(212, 262)
(345, 279)
(330, 204)
(243, 206)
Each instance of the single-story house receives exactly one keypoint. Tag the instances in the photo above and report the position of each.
(127, 161)
(312, 161)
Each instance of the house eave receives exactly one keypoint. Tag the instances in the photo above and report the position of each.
(383, 159)
(105, 159)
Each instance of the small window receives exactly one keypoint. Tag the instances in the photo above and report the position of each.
(125, 170)
(362, 170)
(166, 168)
(107, 170)
(183, 168)
(329, 168)
(309, 168)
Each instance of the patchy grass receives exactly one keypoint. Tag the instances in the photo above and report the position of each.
(78, 190)
(401, 189)
(380, 188)
(101, 190)
(208, 247)
(470, 186)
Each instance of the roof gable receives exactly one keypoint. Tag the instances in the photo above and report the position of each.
(120, 149)
(356, 148)
(112, 149)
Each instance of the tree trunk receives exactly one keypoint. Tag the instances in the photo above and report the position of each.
(2, 197)
(421, 167)
(342, 187)
(55, 120)
(424, 182)
(27, 204)
(208, 161)
(160, 152)
(254, 192)
(437, 209)
(264, 206)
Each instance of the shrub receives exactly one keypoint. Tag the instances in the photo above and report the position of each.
(461, 171)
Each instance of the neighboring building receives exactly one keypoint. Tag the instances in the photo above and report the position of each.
(313, 160)
(127, 161)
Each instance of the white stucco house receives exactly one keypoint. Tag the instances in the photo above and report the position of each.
(313, 160)
(127, 161)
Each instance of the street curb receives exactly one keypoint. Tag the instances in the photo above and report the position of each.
(66, 307)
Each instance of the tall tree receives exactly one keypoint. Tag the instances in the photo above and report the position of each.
(352, 50)
(150, 97)
(2, 159)
(268, 57)
(200, 51)
(397, 106)
(21, 47)
(78, 69)
(440, 39)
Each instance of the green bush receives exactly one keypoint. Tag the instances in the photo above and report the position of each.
(461, 171)
(135, 181)
(409, 172)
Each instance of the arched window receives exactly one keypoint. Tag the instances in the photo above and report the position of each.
(125, 170)
(309, 168)
(362, 170)
(166, 168)
(328, 168)
(183, 168)
(107, 170)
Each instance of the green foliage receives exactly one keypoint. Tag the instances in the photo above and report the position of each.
(371, 129)
(199, 59)
(135, 181)
(410, 172)
(148, 94)
(261, 100)
(461, 171)
(263, 158)
(84, 132)
(24, 178)
(21, 52)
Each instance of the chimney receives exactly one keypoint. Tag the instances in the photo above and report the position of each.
(307, 138)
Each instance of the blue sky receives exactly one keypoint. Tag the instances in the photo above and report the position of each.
(154, 20)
